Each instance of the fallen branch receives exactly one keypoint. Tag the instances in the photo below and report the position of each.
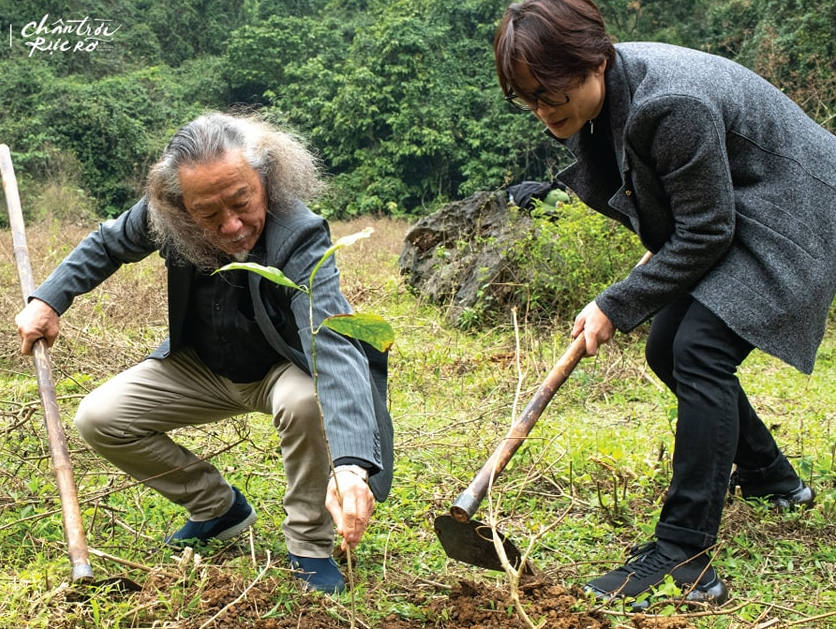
(804, 621)
(126, 562)
(98, 496)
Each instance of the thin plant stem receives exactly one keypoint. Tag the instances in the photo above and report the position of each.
(315, 376)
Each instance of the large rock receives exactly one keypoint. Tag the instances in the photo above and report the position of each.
(457, 256)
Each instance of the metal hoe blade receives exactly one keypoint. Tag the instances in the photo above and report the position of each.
(472, 542)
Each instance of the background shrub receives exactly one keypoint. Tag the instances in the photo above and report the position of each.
(570, 256)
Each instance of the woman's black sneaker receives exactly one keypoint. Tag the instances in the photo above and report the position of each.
(802, 496)
(647, 568)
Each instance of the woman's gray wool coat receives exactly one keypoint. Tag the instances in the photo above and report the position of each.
(729, 184)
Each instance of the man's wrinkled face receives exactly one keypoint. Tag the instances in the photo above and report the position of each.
(227, 200)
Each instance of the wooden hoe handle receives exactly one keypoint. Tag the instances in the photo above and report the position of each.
(469, 500)
(62, 465)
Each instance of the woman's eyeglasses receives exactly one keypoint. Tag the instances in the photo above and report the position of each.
(534, 101)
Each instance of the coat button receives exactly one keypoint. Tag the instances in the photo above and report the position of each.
(628, 192)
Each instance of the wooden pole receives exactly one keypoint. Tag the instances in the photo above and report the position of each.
(61, 463)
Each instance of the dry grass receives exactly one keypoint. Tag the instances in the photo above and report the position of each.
(367, 266)
(106, 320)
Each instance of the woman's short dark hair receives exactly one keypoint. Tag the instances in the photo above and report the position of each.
(559, 41)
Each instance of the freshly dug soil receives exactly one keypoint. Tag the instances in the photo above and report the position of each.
(467, 605)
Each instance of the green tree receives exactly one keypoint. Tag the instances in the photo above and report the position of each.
(22, 87)
(655, 20)
(114, 128)
(790, 43)
(401, 100)
(399, 97)
(149, 31)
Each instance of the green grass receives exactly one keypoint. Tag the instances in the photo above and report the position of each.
(600, 454)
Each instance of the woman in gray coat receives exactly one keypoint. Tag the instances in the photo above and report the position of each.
(732, 189)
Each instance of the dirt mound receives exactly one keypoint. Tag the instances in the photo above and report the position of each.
(230, 603)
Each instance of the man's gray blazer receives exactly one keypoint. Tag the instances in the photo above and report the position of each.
(729, 184)
(351, 376)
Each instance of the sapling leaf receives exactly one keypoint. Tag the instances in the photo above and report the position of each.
(345, 241)
(268, 272)
(370, 328)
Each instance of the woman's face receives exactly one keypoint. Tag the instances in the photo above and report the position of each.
(585, 101)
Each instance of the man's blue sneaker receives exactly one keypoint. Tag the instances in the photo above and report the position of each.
(239, 516)
(321, 574)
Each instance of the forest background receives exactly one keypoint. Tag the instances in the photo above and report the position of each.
(398, 97)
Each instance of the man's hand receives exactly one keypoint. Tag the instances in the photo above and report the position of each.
(351, 507)
(595, 326)
(36, 321)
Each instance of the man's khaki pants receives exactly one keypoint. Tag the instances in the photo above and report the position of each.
(127, 419)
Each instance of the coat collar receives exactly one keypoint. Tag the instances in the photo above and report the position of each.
(584, 176)
(619, 96)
